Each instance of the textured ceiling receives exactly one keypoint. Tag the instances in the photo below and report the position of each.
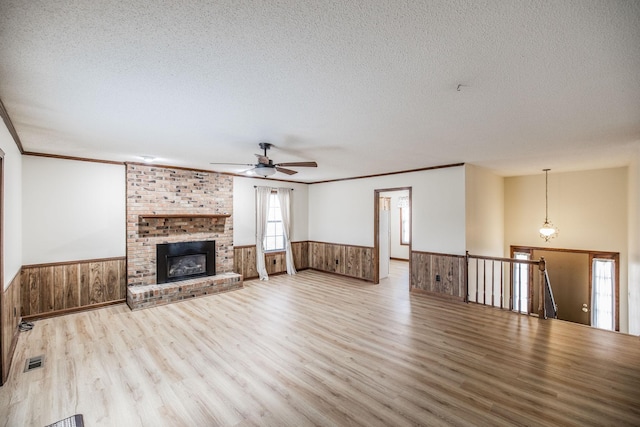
(362, 87)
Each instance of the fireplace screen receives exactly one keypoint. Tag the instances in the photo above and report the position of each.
(186, 265)
(185, 260)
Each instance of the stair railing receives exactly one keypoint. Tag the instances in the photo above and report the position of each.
(509, 283)
(550, 308)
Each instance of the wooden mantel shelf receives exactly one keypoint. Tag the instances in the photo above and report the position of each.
(182, 215)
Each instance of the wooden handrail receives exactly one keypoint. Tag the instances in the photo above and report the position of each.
(541, 311)
(512, 260)
(549, 298)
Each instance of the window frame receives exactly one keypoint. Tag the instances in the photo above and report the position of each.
(406, 242)
(273, 197)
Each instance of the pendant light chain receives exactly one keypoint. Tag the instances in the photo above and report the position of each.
(546, 195)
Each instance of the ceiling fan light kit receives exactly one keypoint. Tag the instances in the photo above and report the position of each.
(265, 166)
(264, 170)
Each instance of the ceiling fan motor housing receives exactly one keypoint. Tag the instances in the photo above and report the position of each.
(265, 146)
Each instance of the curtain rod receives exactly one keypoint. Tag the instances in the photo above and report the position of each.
(292, 189)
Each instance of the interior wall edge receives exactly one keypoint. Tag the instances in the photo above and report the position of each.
(9, 320)
(9, 124)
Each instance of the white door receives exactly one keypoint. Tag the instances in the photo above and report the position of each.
(385, 237)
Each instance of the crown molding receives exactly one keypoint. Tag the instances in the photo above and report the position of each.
(79, 159)
(453, 165)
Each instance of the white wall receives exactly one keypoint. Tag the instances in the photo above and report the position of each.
(12, 226)
(634, 244)
(588, 207)
(397, 250)
(342, 211)
(72, 210)
(244, 209)
(484, 211)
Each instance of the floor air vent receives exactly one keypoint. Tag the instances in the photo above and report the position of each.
(34, 363)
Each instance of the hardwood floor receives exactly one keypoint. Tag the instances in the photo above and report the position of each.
(319, 349)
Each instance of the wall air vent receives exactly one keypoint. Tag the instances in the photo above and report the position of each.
(34, 363)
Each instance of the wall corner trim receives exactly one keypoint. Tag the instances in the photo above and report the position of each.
(9, 124)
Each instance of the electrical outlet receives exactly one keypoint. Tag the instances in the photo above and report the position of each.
(336, 262)
(437, 277)
(274, 262)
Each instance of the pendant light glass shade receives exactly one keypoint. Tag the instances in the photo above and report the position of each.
(547, 231)
(264, 170)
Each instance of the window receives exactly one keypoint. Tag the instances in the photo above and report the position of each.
(521, 283)
(405, 213)
(602, 304)
(274, 238)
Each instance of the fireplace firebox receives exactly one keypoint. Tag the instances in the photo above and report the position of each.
(185, 260)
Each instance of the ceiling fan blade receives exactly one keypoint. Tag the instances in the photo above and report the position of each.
(299, 164)
(233, 164)
(287, 171)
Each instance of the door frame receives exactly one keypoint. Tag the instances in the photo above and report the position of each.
(2, 294)
(592, 254)
(615, 256)
(376, 230)
(382, 232)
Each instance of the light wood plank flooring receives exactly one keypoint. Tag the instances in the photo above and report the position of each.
(318, 349)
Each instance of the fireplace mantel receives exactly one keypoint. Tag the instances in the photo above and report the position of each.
(182, 215)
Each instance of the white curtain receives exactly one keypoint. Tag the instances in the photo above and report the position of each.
(262, 212)
(284, 196)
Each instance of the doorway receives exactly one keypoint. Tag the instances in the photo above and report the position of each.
(572, 274)
(3, 315)
(384, 235)
(392, 229)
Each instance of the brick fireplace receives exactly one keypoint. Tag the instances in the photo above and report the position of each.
(172, 205)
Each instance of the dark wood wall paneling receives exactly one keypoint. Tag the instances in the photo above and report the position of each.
(244, 260)
(347, 260)
(428, 267)
(57, 288)
(300, 255)
(10, 318)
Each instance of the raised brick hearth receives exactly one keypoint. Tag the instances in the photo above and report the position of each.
(153, 295)
(170, 205)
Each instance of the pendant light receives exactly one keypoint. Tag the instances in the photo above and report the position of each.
(548, 231)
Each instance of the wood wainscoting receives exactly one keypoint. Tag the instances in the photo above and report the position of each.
(244, 260)
(58, 288)
(439, 274)
(10, 308)
(346, 260)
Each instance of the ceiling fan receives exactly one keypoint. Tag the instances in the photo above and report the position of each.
(265, 166)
